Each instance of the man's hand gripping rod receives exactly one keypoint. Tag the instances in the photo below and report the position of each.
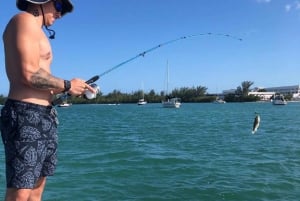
(65, 95)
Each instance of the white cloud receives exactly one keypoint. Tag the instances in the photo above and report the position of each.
(288, 7)
(293, 6)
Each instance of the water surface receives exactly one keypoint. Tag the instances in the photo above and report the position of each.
(198, 152)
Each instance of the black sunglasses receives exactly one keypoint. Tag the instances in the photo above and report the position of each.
(58, 6)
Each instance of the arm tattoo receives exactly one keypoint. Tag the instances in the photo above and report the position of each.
(44, 80)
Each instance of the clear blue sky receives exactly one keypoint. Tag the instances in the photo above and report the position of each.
(101, 34)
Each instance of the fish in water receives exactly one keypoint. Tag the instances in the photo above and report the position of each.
(256, 123)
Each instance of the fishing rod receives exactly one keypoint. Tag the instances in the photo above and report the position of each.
(63, 97)
(142, 54)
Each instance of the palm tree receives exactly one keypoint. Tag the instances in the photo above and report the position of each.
(246, 87)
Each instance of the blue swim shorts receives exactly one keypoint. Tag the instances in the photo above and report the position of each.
(29, 135)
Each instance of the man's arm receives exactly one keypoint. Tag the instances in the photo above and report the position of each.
(28, 44)
(28, 59)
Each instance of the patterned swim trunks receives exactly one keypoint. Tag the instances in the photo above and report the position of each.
(29, 135)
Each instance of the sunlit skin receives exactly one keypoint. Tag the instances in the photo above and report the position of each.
(28, 58)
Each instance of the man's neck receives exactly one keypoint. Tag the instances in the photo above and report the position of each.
(35, 10)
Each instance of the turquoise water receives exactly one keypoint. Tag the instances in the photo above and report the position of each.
(198, 152)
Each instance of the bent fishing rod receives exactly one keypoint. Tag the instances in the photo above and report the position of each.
(62, 97)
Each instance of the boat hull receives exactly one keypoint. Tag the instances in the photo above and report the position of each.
(65, 105)
(279, 102)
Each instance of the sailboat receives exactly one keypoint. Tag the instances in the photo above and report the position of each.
(219, 101)
(170, 102)
(142, 100)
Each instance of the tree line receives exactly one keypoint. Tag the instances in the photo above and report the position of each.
(187, 94)
(192, 94)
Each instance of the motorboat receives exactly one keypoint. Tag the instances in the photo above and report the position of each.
(279, 100)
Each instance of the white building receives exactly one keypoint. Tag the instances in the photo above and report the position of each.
(265, 96)
(293, 90)
(285, 90)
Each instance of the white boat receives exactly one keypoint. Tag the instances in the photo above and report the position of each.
(219, 101)
(279, 100)
(170, 102)
(142, 102)
(65, 105)
(113, 104)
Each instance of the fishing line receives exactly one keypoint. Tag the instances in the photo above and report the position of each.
(142, 54)
(62, 97)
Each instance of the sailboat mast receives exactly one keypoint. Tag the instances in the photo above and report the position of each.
(167, 81)
(143, 95)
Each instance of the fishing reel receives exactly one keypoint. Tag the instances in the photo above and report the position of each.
(89, 95)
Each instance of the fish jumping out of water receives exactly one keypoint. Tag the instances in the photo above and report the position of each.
(256, 123)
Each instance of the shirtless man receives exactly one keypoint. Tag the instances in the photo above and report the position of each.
(28, 121)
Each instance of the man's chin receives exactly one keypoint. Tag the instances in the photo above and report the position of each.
(50, 23)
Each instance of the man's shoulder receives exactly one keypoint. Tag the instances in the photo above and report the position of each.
(23, 17)
(23, 22)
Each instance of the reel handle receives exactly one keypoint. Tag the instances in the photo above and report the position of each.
(93, 79)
